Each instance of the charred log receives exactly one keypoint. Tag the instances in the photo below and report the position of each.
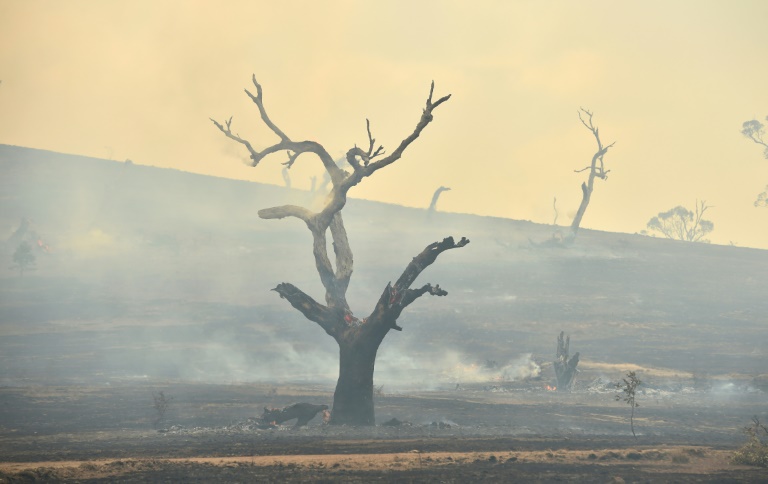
(302, 412)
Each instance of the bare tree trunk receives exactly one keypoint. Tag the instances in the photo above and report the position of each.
(585, 197)
(353, 398)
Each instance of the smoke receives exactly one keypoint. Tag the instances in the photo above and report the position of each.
(278, 361)
(429, 371)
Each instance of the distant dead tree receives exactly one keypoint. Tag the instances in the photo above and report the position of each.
(358, 338)
(755, 130)
(433, 205)
(565, 366)
(596, 169)
(554, 207)
(286, 177)
(682, 224)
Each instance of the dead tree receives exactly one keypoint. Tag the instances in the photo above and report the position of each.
(286, 177)
(358, 338)
(438, 192)
(565, 369)
(596, 170)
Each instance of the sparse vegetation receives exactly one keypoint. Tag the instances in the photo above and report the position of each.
(754, 452)
(679, 223)
(755, 130)
(629, 386)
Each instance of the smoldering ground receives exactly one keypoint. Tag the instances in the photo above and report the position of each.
(159, 274)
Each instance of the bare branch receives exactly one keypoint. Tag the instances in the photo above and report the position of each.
(426, 118)
(372, 142)
(228, 133)
(291, 159)
(334, 296)
(295, 148)
(327, 318)
(258, 100)
(425, 259)
(343, 252)
(413, 294)
(286, 211)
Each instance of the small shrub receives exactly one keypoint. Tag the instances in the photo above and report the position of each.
(161, 404)
(629, 387)
(754, 452)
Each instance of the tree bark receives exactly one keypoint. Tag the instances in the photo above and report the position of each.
(353, 398)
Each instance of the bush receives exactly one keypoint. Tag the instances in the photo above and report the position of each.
(754, 452)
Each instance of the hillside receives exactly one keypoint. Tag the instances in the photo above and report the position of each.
(167, 274)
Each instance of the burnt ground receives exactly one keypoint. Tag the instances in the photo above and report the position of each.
(494, 431)
(151, 280)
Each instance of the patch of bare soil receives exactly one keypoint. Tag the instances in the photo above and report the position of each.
(668, 463)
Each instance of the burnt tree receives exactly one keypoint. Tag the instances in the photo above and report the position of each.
(596, 170)
(433, 204)
(565, 367)
(358, 338)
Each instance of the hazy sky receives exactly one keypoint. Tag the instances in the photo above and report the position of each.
(669, 81)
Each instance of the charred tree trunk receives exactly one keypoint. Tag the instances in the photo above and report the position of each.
(596, 170)
(358, 339)
(565, 369)
(353, 398)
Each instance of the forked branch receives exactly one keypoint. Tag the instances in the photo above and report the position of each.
(397, 297)
(294, 148)
(336, 281)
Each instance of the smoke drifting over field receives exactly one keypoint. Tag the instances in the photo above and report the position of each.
(162, 275)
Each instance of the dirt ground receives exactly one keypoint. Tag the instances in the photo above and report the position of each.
(489, 432)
